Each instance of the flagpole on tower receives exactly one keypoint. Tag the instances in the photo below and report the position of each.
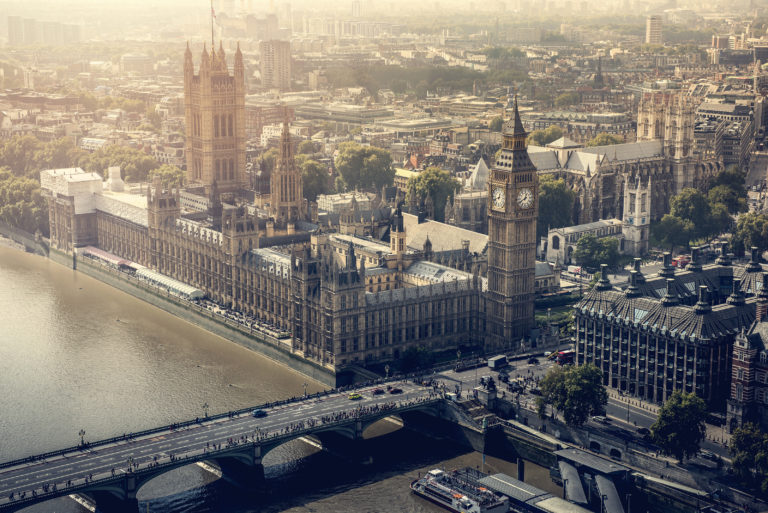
(213, 15)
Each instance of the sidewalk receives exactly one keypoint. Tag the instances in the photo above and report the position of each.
(714, 434)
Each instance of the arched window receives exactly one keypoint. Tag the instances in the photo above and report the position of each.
(231, 169)
(215, 126)
(218, 170)
(555, 242)
(230, 131)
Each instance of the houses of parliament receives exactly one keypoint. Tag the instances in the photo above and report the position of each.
(344, 299)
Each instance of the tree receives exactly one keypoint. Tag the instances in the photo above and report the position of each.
(731, 177)
(679, 428)
(306, 147)
(315, 179)
(268, 160)
(555, 204)
(672, 231)
(577, 392)
(135, 164)
(604, 139)
(729, 197)
(566, 99)
(692, 205)
(496, 124)
(169, 175)
(364, 167)
(751, 230)
(592, 251)
(749, 453)
(546, 136)
(21, 204)
(435, 182)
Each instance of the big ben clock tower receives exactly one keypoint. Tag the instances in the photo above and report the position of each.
(513, 202)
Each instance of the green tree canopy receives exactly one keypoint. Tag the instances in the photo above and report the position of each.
(732, 177)
(728, 196)
(315, 178)
(592, 251)
(751, 230)
(672, 231)
(679, 428)
(27, 156)
(435, 182)
(21, 204)
(567, 99)
(749, 453)
(364, 167)
(268, 160)
(577, 392)
(171, 175)
(555, 204)
(546, 136)
(496, 124)
(134, 164)
(604, 139)
(306, 147)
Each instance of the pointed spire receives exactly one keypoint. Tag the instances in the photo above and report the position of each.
(222, 57)
(238, 58)
(519, 130)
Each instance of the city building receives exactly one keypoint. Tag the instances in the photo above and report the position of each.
(275, 64)
(653, 32)
(748, 401)
(668, 332)
(335, 299)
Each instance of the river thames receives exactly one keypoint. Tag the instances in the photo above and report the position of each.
(76, 354)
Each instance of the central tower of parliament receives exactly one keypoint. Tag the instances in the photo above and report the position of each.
(329, 298)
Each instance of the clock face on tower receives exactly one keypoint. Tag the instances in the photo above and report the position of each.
(499, 198)
(525, 198)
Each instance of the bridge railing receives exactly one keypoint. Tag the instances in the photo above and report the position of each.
(196, 454)
(177, 425)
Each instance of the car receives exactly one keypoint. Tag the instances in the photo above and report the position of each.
(354, 396)
(708, 455)
(377, 391)
(601, 419)
(643, 431)
(259, 413)
(395, 390)
(533, 360)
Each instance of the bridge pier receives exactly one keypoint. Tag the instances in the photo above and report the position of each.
(108, 502)
(245, 475)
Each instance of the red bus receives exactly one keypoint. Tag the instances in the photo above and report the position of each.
(565, 357)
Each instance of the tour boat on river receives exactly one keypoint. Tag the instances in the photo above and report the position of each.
(459, 491)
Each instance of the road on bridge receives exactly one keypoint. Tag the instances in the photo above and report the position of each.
(81, 466)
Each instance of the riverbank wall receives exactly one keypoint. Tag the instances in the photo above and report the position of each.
(262, 343)
(29, 241)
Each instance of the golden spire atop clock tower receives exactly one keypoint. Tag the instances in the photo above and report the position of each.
(513, 202)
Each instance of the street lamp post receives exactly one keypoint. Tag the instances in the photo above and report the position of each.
(386, 371)
(82, 437)
(305, 389)
(627, 409)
